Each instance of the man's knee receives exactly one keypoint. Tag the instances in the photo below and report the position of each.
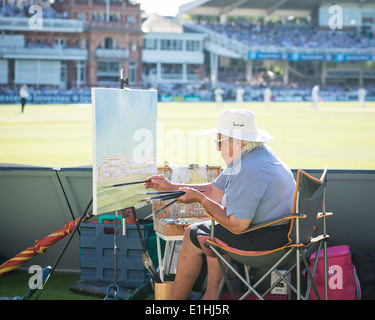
(187, 236)
(188, 242)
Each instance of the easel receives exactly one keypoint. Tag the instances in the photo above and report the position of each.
(123, 82)
(85, 216)
(123, 85)
(124, 214)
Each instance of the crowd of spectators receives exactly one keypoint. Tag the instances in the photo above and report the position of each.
(296, 92)
(41, 43)
(254, 33)
(44, 90)
(290, 92)
(279, 34)
(46, 94)
(20, 8)
(203, 91)
(198, 92)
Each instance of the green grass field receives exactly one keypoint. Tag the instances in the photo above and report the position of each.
(15, 284)
(340, 135)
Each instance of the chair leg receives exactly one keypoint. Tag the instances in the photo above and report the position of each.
(272, 269)
(220, 289)
(325, 241)
(298, 271)
(310, 283)
(310, 275)
(251, 289)
(325, 270)
(225, 277)
(247, 273)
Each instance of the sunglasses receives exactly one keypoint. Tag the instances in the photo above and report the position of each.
(218, 142)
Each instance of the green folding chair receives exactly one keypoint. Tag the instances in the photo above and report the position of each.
(308, 209)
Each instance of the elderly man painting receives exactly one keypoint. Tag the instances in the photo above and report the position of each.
(255, 186)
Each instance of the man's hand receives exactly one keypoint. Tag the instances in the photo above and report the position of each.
(158, 182)
(191, 195)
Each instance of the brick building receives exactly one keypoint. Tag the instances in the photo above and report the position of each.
(79, 43)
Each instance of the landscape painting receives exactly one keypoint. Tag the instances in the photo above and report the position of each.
(124, 146)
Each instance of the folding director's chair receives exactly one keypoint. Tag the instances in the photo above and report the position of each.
(309, 206)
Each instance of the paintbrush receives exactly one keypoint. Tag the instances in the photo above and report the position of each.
(147, 262)
(162, 208)
(164, 196)
(127, 183)
(152, 267)
(159, 192)
(145, 257)
(149, 271)
(167, 205)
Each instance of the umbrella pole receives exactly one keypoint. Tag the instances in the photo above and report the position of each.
(82, 217)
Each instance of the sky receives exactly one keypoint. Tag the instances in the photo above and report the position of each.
(162, 7)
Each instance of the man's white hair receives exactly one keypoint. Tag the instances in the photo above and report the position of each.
(250, 145)
(247, 145)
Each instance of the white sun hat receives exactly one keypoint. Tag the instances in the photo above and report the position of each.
(239, 124)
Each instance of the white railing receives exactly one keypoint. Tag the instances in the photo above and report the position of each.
(112, 53)
(193, 77)
(48, 25)
(43, 53)
(171, 76)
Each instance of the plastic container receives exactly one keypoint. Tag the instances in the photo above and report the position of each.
(97, 253)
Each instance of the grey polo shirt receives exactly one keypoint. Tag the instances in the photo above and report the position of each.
(257, 186)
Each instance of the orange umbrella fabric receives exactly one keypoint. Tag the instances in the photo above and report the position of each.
(40, 246)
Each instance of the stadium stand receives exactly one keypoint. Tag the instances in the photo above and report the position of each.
(279, 34)
(20, 8)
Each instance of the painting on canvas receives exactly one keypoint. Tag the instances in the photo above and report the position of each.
(124, 146)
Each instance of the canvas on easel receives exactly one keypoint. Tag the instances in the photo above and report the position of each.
(124, 146)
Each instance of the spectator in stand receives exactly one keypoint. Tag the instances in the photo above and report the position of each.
(289, 34)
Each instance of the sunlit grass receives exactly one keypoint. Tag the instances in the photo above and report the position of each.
(340, 134)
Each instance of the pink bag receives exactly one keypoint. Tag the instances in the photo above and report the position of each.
(343, 283)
